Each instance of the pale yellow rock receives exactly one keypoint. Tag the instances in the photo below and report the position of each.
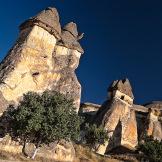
(118, 119)
(154, 125)
(39, 67)
(102, 148)
(43, 58)
(67, 60)
(39, 43)
(39, 62)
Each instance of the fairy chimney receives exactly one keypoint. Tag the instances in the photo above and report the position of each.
(118, 118)
(43, 58)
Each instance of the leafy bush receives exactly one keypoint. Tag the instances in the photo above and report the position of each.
(152, 149)
(95, 135)
(43, 119)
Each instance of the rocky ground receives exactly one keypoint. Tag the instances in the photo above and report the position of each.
(83, 154)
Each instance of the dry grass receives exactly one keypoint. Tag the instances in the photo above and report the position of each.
(83, 154)
(20, 158)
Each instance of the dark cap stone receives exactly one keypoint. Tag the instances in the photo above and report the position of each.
(47, 19)
(72, 28)
(70, 37)
(123, 86)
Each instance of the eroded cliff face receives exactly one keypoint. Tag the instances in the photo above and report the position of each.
(126, 123)
(153, 122)
(118, 118)
(43, 57)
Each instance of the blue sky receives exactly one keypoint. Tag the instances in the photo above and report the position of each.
(122, 39)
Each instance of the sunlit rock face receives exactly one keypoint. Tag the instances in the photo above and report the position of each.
(41, 59)
(66, 61)
(63, 151)
(124, 121)
(118, 118)
(153, 124)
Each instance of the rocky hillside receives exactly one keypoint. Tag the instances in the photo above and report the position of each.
(125, 122)
(83, 154)
(45, 57)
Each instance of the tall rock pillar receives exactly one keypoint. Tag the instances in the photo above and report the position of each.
(34, 64)
(66, 56)
(118, 118)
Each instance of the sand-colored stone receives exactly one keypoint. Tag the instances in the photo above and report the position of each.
(153, 124)
(43, 58)
(119, 120)
(38, 62)
(62, 151)
(22, 78)
(89, 108)
(10, 146)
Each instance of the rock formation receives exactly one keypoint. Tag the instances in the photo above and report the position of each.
(153, 123)
(118, 117)
(43, 57)
(64, 151)
(89, 109)
(126, 123)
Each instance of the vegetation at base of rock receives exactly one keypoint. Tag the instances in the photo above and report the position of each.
(152, 149)
(95, 134)
(43, 118)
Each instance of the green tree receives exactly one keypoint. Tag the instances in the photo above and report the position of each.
(95, 135)
(43, 119)
(152, 149)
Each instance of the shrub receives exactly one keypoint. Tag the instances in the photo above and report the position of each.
(152, 149)
(95, 135)
(43, 118)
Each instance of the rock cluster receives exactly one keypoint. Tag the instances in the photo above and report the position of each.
(118, 117)
(63, 151)
(43, 57)
(126, 123)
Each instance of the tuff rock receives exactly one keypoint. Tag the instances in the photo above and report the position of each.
(118, 118)
(43, 57)
(126, 123)
(153, 124)
(62, 151)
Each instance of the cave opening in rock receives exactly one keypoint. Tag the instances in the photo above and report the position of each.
(122, 97)
(35, 74)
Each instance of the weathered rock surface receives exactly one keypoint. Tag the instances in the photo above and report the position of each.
(153, 123)
(154, 105)
(63, 151)
(43, 57)
(89, 108)
(125, 122)
(123, 86)
(70, 37)
(118, 118)
(8, 145)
